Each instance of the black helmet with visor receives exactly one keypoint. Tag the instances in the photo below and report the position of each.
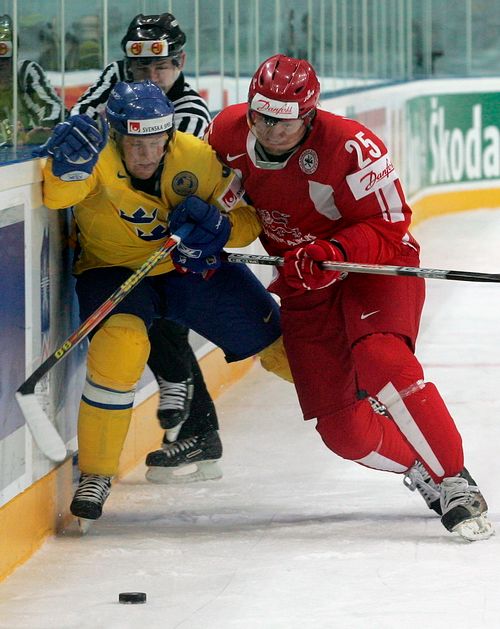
(152, 37)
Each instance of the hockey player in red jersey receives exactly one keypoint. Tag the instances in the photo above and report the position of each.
(325, 189)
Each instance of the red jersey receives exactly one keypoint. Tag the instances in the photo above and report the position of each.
(357, 334)
(339, 184)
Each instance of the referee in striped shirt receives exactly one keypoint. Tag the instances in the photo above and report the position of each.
(146, 35)
(154, 50)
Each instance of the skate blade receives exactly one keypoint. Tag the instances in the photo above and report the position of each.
(191, 473)
(84, 525)
(475, 529)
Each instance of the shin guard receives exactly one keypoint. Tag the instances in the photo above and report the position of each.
(388, 370)
(116, 358)
(421, 415)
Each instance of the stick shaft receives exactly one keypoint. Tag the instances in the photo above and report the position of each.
(96, 317)
(377, 269)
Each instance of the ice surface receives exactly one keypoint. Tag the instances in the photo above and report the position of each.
(293, 537)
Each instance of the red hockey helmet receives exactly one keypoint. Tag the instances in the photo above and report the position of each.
(284, 87)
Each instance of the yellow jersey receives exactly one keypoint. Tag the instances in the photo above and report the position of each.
(121, 226)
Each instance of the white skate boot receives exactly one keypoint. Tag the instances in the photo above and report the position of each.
(464, 508)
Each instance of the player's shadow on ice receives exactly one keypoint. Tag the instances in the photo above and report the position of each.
(347, 527)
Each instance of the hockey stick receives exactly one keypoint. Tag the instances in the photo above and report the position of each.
(43, 431)
(376, 269)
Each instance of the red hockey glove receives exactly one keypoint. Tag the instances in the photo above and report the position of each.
(302, 266)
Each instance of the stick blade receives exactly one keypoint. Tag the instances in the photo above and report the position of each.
(43, 431)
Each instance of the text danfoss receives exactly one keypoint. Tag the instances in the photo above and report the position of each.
(375, 177)
(265, 105)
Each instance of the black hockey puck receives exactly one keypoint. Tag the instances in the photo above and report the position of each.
(132, 597)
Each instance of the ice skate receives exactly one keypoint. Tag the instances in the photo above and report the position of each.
(464, 508)
(186, 461)
(418, 478)
(175, 404)
(89, 498)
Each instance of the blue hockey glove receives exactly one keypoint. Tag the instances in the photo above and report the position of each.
(205, 266)
(74, 147)
(211, 230)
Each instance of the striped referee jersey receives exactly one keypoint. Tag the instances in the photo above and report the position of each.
(191, 111)
(41, 104)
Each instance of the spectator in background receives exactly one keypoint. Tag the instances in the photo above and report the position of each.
(39, 107)
(72, 44)
(420, 62)
(50, 50)
(154, 49)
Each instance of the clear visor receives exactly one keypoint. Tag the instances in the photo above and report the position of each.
(263, 122)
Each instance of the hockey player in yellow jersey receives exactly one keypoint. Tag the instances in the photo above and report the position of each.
(108, 203)
(123, 191)
(153, 48)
